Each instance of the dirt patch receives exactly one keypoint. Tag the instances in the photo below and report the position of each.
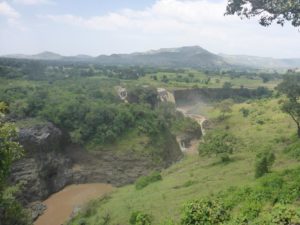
(61, 204)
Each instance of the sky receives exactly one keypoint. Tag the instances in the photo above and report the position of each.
(94, 27)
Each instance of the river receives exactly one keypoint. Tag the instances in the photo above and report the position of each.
(61, 204)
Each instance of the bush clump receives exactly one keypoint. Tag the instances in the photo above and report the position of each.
(245, 112)
(204, 212)
(140, 218)
(283, 214)
(220, 143)
(146, 180)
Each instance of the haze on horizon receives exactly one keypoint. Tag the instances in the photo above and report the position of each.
(72, 27)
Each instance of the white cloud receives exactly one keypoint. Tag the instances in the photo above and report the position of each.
(33, 2)
(12, 16)
(109, 22)
(163, 15)
(170, 23)
(165, 23)
(7, 11)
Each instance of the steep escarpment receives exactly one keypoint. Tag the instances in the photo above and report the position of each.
(190, 96)
(51, 162)
(108, 167)
(45, 168)
(120, 168)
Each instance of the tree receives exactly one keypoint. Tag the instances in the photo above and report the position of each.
(290, 86)
(219, 143)
(264, 161)
(265, 77)
(9, 150)
(225, 107)
(165, 79)
(245, 111)
(269, 11)
(11, 212)
(143, 94)
(227, 85)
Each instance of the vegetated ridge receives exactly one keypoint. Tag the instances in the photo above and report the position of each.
(183, 57)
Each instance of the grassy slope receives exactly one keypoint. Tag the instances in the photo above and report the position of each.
(196, 177)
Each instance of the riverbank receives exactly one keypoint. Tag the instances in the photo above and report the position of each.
(61, 204)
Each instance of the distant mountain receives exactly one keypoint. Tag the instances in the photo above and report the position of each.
(292, 62)
(16, 56)
(41, 56)
(78, 58)
(260, 62)
(47, 56)
(191, 56)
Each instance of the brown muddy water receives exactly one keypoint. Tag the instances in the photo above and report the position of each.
(61, 204)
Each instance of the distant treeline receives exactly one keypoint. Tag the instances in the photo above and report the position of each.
(55, 69)
(249, 74)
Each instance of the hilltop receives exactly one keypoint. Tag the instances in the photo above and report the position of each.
(182, 57)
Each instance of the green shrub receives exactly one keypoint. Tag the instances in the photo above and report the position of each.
(264, 161)
(139, 218)
(220, 143)
(251, 210)
(204, 212)
(146, 180)
(245, 112)
(82, 221)
(224, 157)
(283, 214)
(260, 121)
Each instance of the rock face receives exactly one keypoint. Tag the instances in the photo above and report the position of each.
(106, 167)
(44, 169)
(37, 209)
(120, 168)
(50, 163)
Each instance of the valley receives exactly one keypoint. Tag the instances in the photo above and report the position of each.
(61, 205)
(153, 112)
(104, 143)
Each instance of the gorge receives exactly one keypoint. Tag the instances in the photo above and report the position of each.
(52, 163)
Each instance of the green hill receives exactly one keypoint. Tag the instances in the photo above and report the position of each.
(204, 177)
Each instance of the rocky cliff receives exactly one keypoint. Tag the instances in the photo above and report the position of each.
(45, 168)
(51, 162)
(190, 96)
